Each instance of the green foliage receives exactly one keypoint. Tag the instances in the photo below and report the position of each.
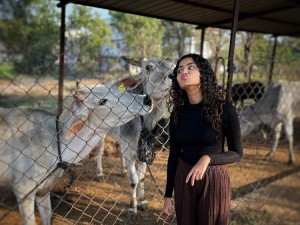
(250, 218)
(6, 70)
(287, 59)
(30, 35)
(262, 50)
(143, 36)
(253, 65)
(29, 31)
(87, 33)
(218, 42)
(174, 39)
(48, 103)
(245, 219)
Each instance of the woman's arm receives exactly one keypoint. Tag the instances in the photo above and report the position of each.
(172, 160)
(232, 133)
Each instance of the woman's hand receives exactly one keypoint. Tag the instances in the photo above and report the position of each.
(198, 170)
(168, 207)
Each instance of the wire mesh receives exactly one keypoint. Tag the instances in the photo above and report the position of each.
(263, 191)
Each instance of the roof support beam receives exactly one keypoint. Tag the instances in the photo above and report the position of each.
(202, 40)
(272, 61)
(61, 56)
(231, 47)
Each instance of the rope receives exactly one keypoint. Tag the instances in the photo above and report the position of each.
(153, 179)
(58, 138)
(37, 185)
(62, 164)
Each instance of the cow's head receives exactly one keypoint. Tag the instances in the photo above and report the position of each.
(154, 76)
(249, 120)
(102, 107)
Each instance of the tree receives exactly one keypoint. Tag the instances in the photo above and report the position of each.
(15, 8)
(252, 54)
(218, 40)
(262, 50)
(175, 38)
(244, 52)
(87, 33)
(143, 36)
(30, 34)
(247, 55)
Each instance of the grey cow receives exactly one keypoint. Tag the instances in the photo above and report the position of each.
(29, 150)
(277, 108)
(155, 82)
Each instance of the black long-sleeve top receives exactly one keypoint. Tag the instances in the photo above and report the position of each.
(194, 137)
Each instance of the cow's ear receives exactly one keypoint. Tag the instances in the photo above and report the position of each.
(79, 96)
(78, 84)
(127, 83)
(169, 62)
(133, 62)
(76, 127)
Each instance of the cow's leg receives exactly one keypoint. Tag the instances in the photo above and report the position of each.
(242, 103)
(99, 157)
(44, 207)
(100, 174)
(129, 157)
(278, 129)
(289, 133)
(123, 164)
(128, 139)
(26, 204)
(142, 203)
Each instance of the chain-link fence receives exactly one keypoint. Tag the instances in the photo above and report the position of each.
(111, 187)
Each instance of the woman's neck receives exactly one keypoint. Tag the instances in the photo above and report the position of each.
(194, 95)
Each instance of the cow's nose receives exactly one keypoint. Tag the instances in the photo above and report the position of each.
(147, 101)
(171, 76)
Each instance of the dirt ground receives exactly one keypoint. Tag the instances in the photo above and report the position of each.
(263, 192)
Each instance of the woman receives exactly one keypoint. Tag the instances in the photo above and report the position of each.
(199, 123)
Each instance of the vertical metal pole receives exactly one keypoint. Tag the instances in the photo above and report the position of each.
(231, 47)
(202, 40)
(272, 61)
(61, 57)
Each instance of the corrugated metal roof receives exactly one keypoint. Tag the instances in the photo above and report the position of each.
(278, 17)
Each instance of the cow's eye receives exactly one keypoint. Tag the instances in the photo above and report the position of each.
(102, 101)
(149, 67)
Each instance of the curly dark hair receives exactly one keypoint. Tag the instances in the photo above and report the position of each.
(211, 92)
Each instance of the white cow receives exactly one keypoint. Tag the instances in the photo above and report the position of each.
(30, 151)
(278, 107)
(137, 137)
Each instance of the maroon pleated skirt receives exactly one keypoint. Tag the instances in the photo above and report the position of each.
(205, 203)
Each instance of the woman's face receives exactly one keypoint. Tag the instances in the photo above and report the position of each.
(188, 74)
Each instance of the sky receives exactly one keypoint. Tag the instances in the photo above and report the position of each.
(103, 12)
